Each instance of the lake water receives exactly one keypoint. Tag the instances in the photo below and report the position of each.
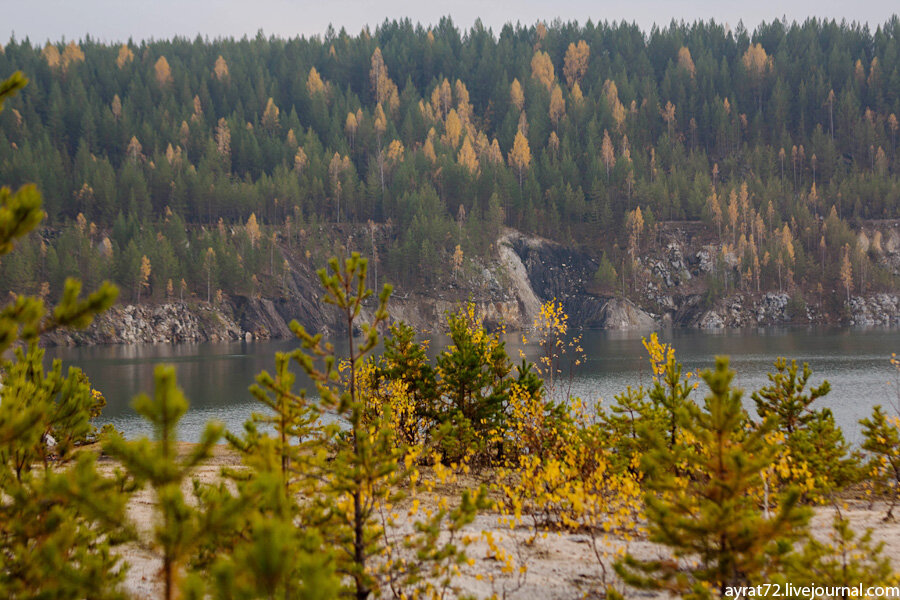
(215, 376)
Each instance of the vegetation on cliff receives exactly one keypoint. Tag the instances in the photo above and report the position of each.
(346, 492)
(186, 167)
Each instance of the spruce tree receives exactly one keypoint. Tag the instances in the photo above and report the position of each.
(844, 560)
(405, 360)
(626, 418)
(671, 390)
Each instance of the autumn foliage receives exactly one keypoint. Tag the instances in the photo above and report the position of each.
(363, 489)
(558, 130)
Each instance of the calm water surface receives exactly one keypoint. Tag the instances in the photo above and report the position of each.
(215, 376)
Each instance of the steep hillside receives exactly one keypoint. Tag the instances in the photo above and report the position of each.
(679, 278)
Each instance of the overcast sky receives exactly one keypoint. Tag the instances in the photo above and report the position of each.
(117, 20)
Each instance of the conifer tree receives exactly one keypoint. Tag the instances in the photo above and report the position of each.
(608, 153)
(575, 64)
(881, 439)
(124, 56)
(162, 71)
(474, 378)
(557, 106)
(362, 470)
(712, 516)
(844, 560)
(144, 278)
(221, 69)
(158, 464)
(686, 62)
(827, 456)
(314, 83)
(606, 275)
(542, 69)
(516, 95)
(272, 560)
(405, 360)
(846, 273)
(321, 492)
(627, 417)
(224, 155)
(520, 155)
(670, 392)
(785, 400)
(293, 417)
(264, 539)
(57, 527)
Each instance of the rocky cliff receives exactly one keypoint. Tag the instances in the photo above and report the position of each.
(508, 290)
(544, 270)
(162, 323)
(673, 274)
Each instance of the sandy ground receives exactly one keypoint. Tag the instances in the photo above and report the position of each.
(563, 565)
(558, 566)
(142, 580)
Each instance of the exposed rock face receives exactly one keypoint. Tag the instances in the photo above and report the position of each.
(507, 291)
(263, 318)
(520, 284)
(711, 320)
(880, 309)
(162, 323)
(672, 268)
(891, 248)
(623, 314)
(742, 310)
(564, 274)
(429, 314)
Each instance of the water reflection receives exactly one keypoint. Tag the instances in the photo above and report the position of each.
(215, 376)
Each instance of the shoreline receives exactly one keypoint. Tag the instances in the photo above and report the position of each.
(670, 288)
(177, 323)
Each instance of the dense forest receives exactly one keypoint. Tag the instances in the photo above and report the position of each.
(406, 476)
(185, 167)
